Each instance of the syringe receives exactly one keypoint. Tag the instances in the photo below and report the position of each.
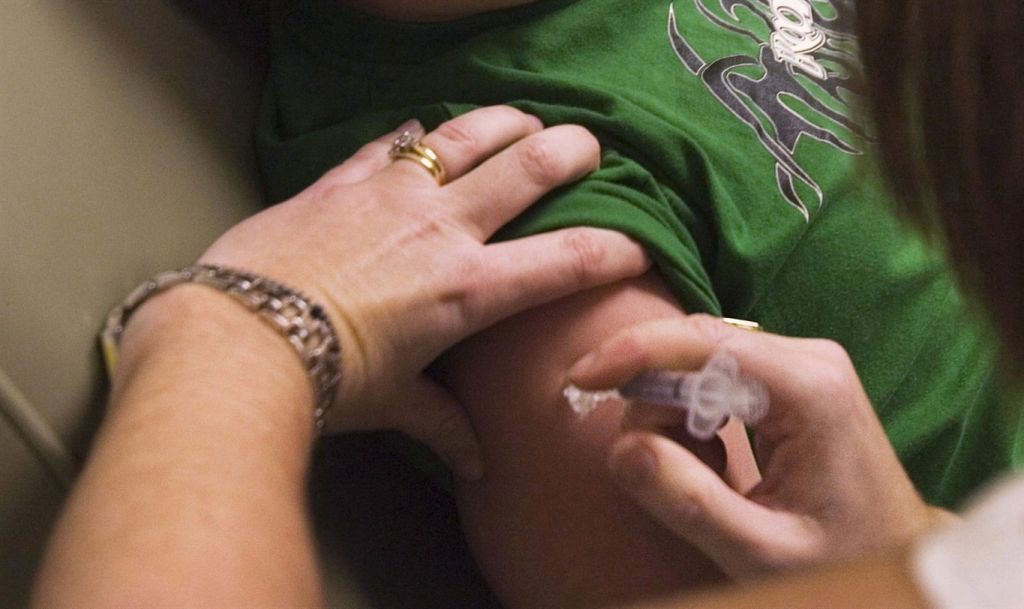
(708, 396)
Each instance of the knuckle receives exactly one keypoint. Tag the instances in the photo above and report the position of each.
(709, 326)
(831, 379)
(424, 224)
(586, 254)
(366, 153)
(630, 347)
(833, 373)
(772, 554)
(685, 512)
(831, 351)
(540, 161)
(698, 494)
(415, 228)
(329, 185)
(687, 507)
(504, 112)
(331, 191)
(466, 276)
(459, 132)
(334, 173)
(768, 556)
(467, 271)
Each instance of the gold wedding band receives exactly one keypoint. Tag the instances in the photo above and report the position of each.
(407, 146)
(743, 324)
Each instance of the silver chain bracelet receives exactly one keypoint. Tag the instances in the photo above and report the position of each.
(303, 323)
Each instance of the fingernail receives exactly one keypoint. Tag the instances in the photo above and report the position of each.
(634, 467)
(580, 368)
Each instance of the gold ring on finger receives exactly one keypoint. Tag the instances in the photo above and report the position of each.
(408, 146)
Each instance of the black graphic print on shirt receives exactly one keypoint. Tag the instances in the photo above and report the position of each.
(794, 80)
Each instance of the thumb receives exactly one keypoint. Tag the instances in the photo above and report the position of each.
(431, 414)
(691, 500)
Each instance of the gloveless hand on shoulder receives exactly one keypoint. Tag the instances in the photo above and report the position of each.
(402, 265)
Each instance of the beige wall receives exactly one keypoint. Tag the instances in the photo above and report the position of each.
(124, 149)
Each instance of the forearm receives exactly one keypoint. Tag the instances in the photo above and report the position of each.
(883, 582)
(193, 494)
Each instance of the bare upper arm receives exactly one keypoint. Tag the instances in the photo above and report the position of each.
(547, 525)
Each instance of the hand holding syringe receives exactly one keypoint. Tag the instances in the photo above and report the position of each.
(708, 396)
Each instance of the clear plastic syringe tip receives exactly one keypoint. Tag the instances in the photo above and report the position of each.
(585, 402)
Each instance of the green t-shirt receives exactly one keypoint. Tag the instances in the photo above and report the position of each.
(728, 150)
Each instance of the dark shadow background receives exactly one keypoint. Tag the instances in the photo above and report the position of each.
(400, 532)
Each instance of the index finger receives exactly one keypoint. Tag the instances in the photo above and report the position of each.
(791, 368)
(675, 344)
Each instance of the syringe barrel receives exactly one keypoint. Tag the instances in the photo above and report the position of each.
(664, 387)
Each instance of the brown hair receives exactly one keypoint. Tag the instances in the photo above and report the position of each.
(947, 92)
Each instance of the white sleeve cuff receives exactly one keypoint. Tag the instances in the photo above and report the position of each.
(979, 563)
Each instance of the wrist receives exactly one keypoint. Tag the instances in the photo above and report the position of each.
(302, 322)
(193, 338)
(199, 466)
(352, 342)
